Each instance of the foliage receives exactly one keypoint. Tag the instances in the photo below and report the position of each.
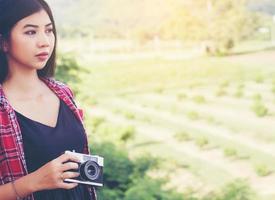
(201, 142)
(199, 99)
(126, 179)
(127, 133)
(181, 96)
(68, 70)
(96, 121)
(241, 86)
(193, 115)
(273, 89)
(259, 78)
(230, 152)
(262, 170)
(257, 97)
(182, 136)
(142, 165)
(259, 109)
(221, 92)
(147, 189)
(224, 84)
(219, 23)
(239, 90)
(142, 35)
(159, 90)
(236, 190)
(114, 133)
(128, 114)
(239, 93)
(117, 171)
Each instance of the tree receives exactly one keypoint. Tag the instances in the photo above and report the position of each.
(220, 24)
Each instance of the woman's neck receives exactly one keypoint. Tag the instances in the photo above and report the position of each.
(26, 85)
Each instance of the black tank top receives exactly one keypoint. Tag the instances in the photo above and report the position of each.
(43, 143)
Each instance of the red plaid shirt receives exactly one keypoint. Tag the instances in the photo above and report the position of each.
(12, 158)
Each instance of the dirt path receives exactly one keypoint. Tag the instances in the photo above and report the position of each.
(258, 58)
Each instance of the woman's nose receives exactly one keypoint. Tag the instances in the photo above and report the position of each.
(43, 40)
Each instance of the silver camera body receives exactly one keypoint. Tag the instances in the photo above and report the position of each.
(90, 168)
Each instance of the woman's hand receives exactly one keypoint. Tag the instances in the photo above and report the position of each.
(52, 174)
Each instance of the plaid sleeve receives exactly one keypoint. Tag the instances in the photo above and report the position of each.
(10, 164)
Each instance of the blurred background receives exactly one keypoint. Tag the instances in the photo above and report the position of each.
(178, 95)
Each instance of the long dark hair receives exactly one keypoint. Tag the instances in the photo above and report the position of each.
(12, 11)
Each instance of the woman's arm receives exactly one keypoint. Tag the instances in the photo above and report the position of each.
(49, 176)
(22, 185)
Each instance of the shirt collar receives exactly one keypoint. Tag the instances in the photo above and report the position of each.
(3, 100)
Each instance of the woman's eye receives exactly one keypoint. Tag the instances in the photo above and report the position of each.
(30, 32)
(49, 30)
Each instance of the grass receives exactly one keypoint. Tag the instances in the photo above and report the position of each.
(182, 136)
(199, 99)
(259, 109)
(259, 79)
(230, 152)
(216, 140)
(257, 97)
(160, 77)
(262, 170)
(239, 93)
(225, 84)
(202, 142)
(221, 92)
(129, 115)
(195, 165)
(193, 115)
(159, 90)
(96, 122)
(157, 74)
(181, 96)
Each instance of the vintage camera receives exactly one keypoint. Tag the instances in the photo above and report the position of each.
(90, 169)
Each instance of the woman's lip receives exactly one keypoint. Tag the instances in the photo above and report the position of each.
(42, 54)
(42, 57)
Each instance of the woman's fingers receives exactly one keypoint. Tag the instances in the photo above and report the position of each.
(66, 157)
(52, 174)
(68, 185)
(70, 175)
(69, 166)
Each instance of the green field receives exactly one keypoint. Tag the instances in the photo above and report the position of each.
(211, 120)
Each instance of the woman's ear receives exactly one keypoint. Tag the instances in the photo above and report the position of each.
(3, 44)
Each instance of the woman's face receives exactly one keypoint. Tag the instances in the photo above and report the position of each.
(31, 42)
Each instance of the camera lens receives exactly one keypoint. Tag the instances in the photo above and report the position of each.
(89, 170)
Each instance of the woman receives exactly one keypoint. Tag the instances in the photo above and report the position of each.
(38, 117)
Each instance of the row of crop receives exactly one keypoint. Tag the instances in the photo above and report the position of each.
(214, 112)
(150, 141)
(204, 142)
(258, 104)
(131, 181)
(203, 137)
